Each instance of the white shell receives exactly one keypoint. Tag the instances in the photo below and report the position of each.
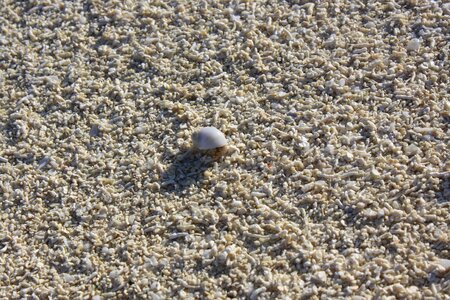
(209, 138)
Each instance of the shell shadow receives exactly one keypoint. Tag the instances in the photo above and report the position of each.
(185, 170)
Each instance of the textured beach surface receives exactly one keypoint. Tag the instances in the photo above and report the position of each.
(336, 180)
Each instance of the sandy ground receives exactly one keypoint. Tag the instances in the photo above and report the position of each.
(336, 183)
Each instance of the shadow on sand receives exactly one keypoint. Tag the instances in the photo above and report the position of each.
(185, 170)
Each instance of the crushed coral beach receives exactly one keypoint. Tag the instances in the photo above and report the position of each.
(335, 184)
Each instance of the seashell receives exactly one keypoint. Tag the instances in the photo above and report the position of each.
(208, 138)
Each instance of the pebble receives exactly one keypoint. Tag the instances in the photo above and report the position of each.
(320, 277)
(411, 150)
(413, 45)
(443, 266)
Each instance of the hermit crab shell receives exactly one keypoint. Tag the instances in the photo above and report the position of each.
(208, 138)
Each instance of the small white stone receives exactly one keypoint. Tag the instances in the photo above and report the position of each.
(374, 173)
(209, 138)
(446, 8)
(411, 150)
(320, 277)
(413, 45)
(68, 278)
(139, 130)
(443, 265)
